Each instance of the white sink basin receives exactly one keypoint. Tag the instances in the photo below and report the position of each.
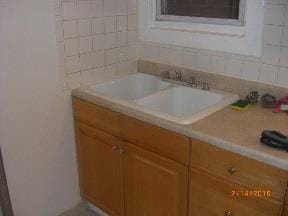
(130, 87)
(153, 96)
(185, 105)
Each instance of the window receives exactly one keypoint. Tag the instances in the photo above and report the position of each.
(225, 12)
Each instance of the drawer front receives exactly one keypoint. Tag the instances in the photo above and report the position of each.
(155, 139)
(240, 170)
(211, 196)
(96, 116)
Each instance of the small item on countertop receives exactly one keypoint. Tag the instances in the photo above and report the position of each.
(252, 97)
(240, 105)
(274, 139)
(281, 105)
(284, 107)
(268, 101)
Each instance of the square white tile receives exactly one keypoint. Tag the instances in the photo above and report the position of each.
(83, 9)
(234, 67)
(203, 62)
(84, 27)
(69, 10)
(85, 44)
(70, 29)
(71, 47)
(251, 70)
(98, 26)
(274, 14)
(268, 73)
(284, 57)
(283, 76)
(218, 64)
(122, 23)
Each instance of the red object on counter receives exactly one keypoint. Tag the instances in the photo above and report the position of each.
(282, 101)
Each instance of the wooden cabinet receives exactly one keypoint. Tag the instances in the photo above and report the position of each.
(100, 169)
(154, 185)
(129, 167)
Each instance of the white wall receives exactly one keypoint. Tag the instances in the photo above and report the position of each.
(36, 128)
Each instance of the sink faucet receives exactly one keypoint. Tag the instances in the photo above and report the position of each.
(206, 86)
(192, 82)
(178, 75)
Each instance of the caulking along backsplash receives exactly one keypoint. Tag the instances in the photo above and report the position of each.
(271, 67)
(96, 40)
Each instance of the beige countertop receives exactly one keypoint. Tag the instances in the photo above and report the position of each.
(236, 131)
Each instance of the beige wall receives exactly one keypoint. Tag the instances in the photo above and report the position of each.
(36, 128)
(271, 67)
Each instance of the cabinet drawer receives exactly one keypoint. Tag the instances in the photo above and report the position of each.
(210, 196)
(96, 116)
(240, 170)
(155, 139)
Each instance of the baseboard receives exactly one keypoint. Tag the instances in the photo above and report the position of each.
(77, 210)
(97, 210)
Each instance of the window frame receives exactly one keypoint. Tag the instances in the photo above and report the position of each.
(203, 20)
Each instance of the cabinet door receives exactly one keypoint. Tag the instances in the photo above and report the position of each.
(154, 186)
(100, 169)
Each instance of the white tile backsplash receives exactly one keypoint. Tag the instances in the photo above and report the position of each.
(203, 62)
(234, 67)
(218, 64)
(110, 24)
(274, 14)
(71, 47)
(83, 9)
(189, 59)
(284, 57)
(270, 67)
(122, 23)
(95, 34)
(69, 10)
(70, 29)
(272, 35)
(283, 76)
(96, 8)
(251, 70)
(84, 27)
(92, 39)
(98, 26)
(268, 73)
(85, 44)
(271, 54)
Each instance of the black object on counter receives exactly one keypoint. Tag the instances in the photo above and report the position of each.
(274, 139)
(268, 101)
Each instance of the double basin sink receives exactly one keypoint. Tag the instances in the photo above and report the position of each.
(151, 95)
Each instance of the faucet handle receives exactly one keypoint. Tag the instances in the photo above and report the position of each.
(178, 75)
(206, 86)
(192, 82)
(165, 75)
